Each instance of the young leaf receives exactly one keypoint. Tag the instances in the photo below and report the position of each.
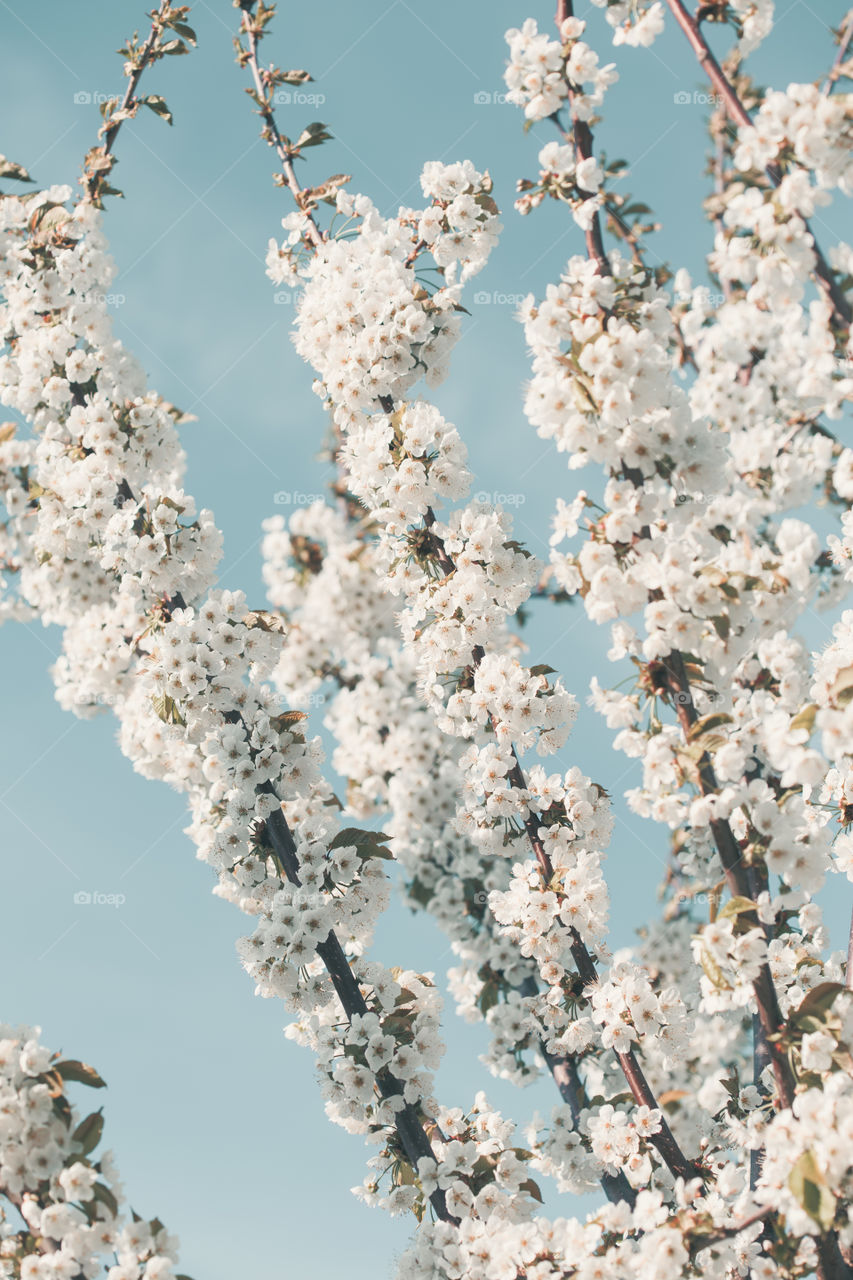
(158, 106)
(167, 709)
(706, 723)
(88, 1132)
(9, 169)
(79, 1072)
(810, 1189)
(312, 135)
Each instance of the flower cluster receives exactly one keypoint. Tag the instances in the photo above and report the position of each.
(543, 73)
(366, 320)
(636, 23)
(67, 1194)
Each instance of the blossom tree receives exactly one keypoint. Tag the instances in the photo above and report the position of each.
(704, 1082)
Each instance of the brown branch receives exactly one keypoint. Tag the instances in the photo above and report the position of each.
(413, 1137)
(738, 113)
(271, 130)
(664, 1141)
(725, 1233)
(736, 873)
(147, 54)
(564, 1069)
(582, 137)
(844, 37)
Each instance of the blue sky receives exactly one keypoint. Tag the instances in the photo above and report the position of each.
(215, 1117)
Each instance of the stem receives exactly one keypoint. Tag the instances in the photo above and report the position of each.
(737, 878)
(844, 40)
(739, 114)
(412, 1134)
(762, 1056)
(582, 136)
(564, 1069)
(272, 132)
(145, 57)
(725, 1233)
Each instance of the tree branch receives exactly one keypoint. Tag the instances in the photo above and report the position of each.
(272, 133)
(413, 1138)
(738, 113)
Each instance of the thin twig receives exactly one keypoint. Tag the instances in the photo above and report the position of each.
(844, 38)
(826, 279)
(272, 131)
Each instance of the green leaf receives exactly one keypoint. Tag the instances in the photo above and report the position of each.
(542, 669)
(312, 135)
(368, 844)
(706, 723)
(102, 1193)
(736, 907)
(810, 1189)
(167, 709)
(9, 169)
(712, 970)
(488, 997)
(804, 719)
(80, 1072)
(158, 105)
(88, 1132)
(841, 689)
(818, 1001)
(185, 30)
(173, 47)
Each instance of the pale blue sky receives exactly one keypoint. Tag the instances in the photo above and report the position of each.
(215, 1117)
